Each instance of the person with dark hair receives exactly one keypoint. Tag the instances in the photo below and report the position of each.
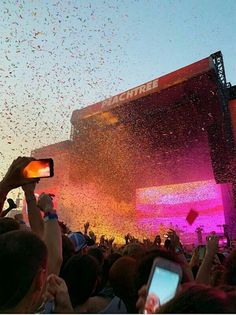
(97, 254)
(195, 299)
(68, 250)
(108, 262)
(8, 224)
(23, 271)
(124, 287)
(229, 274)
(134, 250)
(81, 275)
(200, 299)
(79, 241)
(107, 301)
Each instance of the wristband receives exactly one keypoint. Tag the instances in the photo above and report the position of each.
(52, 211)
(50, 216)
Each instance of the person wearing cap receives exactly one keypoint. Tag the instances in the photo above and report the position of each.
(80, 242)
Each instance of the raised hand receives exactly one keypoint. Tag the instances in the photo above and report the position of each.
(92, 236)
(111, 240)
(86, 227)
(127, 238)
(204, 272)
(142, 294)
(212, 245)
(102, 240)
(174, 239)
(45, 203)
(133, 239)
(56, 290)
(14, 177)
(195, 261)
(157, 240)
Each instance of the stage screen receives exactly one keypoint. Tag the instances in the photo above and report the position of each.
(164, 207)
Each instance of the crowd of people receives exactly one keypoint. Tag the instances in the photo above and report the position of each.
(46, 268)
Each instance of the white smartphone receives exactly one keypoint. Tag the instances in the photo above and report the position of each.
(163, 282)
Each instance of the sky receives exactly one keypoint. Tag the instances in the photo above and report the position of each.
(58, 56)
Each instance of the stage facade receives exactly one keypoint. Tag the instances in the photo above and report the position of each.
(138, 162)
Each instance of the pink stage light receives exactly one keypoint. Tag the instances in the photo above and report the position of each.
(160, 208)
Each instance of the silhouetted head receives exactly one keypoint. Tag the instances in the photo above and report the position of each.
(122, 280)
(68, 250)
(98, 254)
(8, 224)
(23, 266)
(229, 275)
(81, 275)
(200, 299)
(134, 250)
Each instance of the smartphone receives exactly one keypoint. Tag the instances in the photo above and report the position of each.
(223, 241)
(201, 251)
(39, 169)
(163, 282)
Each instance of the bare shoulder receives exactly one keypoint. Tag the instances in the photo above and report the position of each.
(97, 303)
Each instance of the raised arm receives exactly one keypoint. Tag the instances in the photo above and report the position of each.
(35, 218)
(86, 227)
(13, 178)
(177, 248)
(203, 275)
(52, 234)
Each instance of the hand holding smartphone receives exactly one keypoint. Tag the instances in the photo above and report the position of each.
(162, 285)
(43, 168)
(201, 252)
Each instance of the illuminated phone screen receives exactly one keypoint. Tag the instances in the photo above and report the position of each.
(36, 169)
(202, 251)
(223, 241)
(162, 289)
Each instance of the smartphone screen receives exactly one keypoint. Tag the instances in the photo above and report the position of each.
(223, 241)
(202, 252)
(162, 288)
(39, 169)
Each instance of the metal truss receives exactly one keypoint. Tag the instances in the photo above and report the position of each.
(219, 64)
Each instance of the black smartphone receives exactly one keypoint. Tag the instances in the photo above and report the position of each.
(42, 168)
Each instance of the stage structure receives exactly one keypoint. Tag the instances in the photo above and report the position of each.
(139, 161)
